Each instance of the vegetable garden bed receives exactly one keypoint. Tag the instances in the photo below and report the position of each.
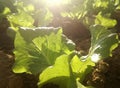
(72, 46)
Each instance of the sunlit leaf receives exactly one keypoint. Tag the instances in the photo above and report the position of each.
(81, 68)
(59, 73)
(104, 21)
(100, 3)
(21, 19)
(103, 41)
(39, 50)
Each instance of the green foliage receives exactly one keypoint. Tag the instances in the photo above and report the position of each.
(21, 19)
(59, 73)
(105, 21)
(103, 41)
(35, 53)
(45, 51)
(55, 59)
(81, 68)
(9, 4)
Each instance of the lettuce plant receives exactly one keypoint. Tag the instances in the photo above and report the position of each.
(47, 52)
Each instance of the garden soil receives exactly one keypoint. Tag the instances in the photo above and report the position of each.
(106, 73)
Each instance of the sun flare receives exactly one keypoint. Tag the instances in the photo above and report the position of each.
(54, 2)
(95, 57)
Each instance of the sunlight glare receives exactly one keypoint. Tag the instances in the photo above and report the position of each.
(54, 2)
(95, 57)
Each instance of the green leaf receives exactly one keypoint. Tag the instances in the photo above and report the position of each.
(100, 3)
(36, 49)
(103, 41)
(27, 57)
(49, 48)
(105, 21)
(30, 33)
(21, 19)
(81, 68)
(59, 73)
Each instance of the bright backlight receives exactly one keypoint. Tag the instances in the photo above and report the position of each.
(95, 57)
(54, 2)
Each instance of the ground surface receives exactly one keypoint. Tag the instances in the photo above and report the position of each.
(106, 73)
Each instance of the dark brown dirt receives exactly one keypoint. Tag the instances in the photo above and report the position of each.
(50, 85)
(106, 73)
(76, 31)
